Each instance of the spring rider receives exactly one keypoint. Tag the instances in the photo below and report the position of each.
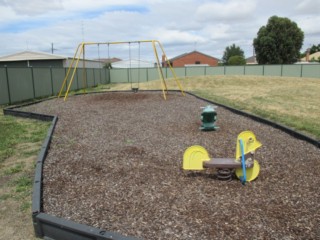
(244, 165)
(208, 118)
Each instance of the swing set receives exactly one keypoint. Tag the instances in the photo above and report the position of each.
(80, 53)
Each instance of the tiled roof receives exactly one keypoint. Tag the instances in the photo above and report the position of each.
(315, 56)
(185, 54)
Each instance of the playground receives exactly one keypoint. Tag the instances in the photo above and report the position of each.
(115, 163)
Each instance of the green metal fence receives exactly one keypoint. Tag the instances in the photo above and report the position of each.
(20, 84)
(149, 74)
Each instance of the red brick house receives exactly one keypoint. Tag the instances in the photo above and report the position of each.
(191, 58)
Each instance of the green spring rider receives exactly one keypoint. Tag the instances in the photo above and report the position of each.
(208, 118)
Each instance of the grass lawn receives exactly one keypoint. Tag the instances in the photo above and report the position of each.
(293, 102)
(20, 142)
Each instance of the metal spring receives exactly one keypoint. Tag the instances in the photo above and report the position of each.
(224, 174)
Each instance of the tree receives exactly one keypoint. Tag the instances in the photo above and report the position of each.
(236, 60)
(279, 42)
(314, 49)
(108, 65)
(230, 51)
(315, 59)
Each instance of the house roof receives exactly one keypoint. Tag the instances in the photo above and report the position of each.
(185, 54)
(109, 60)
(30, 55)
(251, 60)
(133, 63)
(315, 56)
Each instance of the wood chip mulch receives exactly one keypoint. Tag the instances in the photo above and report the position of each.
(115, 163)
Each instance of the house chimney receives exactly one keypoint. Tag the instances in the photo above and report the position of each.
(308, 55)
(164, 60)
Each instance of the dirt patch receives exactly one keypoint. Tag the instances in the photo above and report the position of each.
(115, 163)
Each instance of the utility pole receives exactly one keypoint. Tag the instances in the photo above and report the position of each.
(52, 48)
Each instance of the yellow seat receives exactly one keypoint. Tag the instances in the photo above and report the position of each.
(250, 143)
(197, 158)
(194, 157)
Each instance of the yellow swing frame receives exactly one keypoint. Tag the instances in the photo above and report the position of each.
(81, 52)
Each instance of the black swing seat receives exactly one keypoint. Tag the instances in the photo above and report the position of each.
(134, 90)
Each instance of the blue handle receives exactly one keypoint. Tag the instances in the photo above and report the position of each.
(243, 164)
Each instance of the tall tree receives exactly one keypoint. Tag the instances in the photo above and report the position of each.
(314, 48)
(236, 60)
(279, 42)
(231, 51)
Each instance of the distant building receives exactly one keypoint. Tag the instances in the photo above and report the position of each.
(251, 60)
(315, 57)
(194, 58)
(109, 60)
(133, 63)
(42, 59)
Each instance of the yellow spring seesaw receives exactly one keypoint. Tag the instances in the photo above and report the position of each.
(246, 167)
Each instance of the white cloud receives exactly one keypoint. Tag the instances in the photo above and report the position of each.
(32, 7)
(175, 36)
(226, 10)
(181, 26)
(218, 31)
(308, 7)
(310, 25)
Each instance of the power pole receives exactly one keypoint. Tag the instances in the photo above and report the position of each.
(52, 48)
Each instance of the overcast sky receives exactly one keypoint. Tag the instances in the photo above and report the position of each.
(181, 25)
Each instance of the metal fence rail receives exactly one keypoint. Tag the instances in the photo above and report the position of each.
(21, 84)
(26, 83)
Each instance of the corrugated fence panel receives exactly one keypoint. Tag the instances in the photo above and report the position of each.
(142, 75)
(4, 91)
(27, 83)
(97, 75)
(135, 75)
(291, 70)
(20, 84)
(312, 71)
(74, 84)
(195, 71)
(90, 78)
(80, 74)
(179, 71)
(234, 70)
(272, 70)
(119, 75)
(254, 70)
(105, 76)
(58, 75)
(42, 82)
(215, 70)
(153, 74)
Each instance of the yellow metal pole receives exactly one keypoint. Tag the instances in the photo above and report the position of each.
(66, 77)
(172, 70)
(71, 79)
(84, 72)
(163, 83)
(82, 51)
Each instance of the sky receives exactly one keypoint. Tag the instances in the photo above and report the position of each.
(181, 26)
